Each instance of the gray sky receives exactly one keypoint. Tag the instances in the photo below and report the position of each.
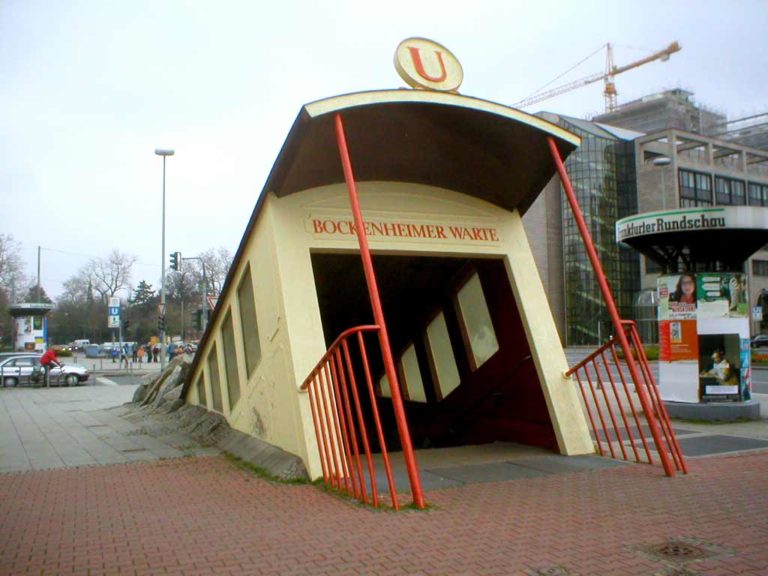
(90, 88)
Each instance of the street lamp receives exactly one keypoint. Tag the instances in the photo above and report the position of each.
(164, 153)
(661, 162)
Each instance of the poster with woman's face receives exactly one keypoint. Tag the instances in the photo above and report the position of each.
(677, 297)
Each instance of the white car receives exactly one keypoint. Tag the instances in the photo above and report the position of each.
(26, 369)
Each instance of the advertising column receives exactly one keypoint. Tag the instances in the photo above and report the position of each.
(704, 351)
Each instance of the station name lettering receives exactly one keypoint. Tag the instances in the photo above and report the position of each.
(407, 230)
(668, 225)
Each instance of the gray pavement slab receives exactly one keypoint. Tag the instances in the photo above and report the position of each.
(489, 472)
(718, 444)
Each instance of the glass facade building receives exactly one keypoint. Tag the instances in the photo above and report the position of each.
(602, 171)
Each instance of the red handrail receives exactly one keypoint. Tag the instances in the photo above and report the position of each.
(596, 372)
(340, 423)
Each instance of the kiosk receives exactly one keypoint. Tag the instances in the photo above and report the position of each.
(31, 326)
(703, 312)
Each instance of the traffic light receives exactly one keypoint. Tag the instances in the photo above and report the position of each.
(126, 325)
(161, 323)
(176, 261)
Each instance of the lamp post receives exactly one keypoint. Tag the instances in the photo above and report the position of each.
(164, 153)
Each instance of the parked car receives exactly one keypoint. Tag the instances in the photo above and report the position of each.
(759, 340)
(93, 351)
(80, 345)
(26, 368)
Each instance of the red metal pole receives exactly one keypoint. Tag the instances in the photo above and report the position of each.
(361, 424)
(669, 469)
(378, 315)
(320, 444)
(377, 422)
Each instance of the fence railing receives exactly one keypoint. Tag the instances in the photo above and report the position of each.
(341, 426)
(622, 429)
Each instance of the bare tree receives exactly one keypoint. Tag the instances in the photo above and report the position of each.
(11, 283)
(110, 275)
(217, 263)
(77, 289)
(11, 266)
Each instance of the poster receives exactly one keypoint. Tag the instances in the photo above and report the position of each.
(720, 367)
(721, 295)
(678, 338)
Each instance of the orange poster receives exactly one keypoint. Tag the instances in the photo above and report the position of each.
(678, 340)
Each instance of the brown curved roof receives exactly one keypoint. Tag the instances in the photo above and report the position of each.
(468, 145)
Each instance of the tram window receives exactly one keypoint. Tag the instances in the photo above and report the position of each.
(213, 372)
(409, 365)
(384, 389)
(478, 327)
(444, 369)
(230, 360)
(202, 397)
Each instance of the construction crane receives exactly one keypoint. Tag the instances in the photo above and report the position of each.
(611, 71)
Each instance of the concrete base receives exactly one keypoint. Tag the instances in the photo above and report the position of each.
(715, 411)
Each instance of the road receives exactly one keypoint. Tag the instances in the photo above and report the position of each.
(118, 379)
(760, 380)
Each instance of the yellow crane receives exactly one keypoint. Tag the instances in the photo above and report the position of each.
(611, 71)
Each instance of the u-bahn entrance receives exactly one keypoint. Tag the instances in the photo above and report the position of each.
(465, 367)
(444, 336)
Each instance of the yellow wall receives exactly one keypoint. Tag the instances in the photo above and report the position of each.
(289, 321)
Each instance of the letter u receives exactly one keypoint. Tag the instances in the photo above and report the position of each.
(416, 57)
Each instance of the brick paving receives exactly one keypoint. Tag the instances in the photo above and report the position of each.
(203, 515)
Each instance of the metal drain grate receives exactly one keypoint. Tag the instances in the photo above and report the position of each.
(677, 571)
(678, 551)
(550, 571)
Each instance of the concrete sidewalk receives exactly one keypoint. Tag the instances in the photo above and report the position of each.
(44, 428)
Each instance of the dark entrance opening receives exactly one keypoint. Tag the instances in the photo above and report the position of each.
(463, 359)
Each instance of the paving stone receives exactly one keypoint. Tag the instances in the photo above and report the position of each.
(206, 516)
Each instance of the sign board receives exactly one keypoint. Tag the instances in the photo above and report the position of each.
(114, 302)
(114, 311)
(212, 300)
(113, 321)
(687, 220)
(671, 221)
(161, 309)
(428, 65)
(757, 313)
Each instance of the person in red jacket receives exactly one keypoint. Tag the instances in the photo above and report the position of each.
(48, 361)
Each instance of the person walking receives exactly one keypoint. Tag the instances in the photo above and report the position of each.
(140, 351)
(156, 353)
(124, 353)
